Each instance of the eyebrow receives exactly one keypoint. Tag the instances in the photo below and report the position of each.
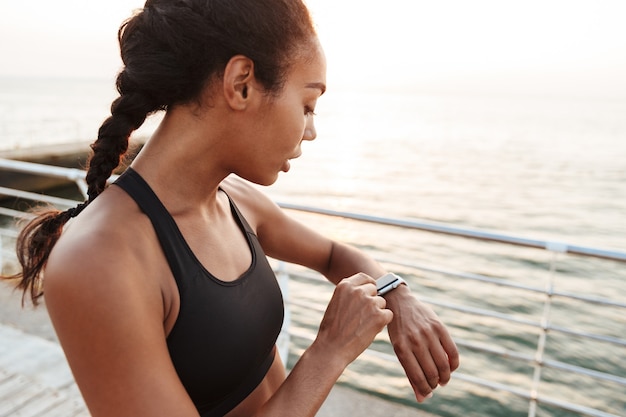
(320, 86)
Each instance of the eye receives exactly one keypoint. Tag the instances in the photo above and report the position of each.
(309, 111)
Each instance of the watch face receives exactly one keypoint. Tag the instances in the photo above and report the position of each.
(385, 283)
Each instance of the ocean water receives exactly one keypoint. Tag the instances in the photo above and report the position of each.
(544, 167)
(550, 168)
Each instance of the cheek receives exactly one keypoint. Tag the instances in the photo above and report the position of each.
(293, 125)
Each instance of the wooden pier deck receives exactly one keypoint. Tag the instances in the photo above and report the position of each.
(35, 379)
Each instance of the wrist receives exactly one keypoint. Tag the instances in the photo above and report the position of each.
(324, 354)
(399, 297)
(389, 283)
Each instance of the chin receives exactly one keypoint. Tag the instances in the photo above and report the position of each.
(263, 181)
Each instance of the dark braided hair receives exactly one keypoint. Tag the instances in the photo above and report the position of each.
(171, 49)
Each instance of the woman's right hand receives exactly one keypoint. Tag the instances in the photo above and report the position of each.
(354, 316)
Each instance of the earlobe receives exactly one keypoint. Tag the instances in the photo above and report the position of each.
(237, 81)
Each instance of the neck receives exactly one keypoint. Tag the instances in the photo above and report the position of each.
(184, 162)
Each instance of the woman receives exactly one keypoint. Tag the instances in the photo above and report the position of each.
(159, 289)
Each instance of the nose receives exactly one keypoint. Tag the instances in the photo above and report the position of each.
(309, 130)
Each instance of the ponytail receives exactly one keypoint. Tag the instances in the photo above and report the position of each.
(33, 248)
(38, 237)
(128, 112)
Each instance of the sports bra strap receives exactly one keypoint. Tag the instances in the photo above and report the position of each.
(164, 224)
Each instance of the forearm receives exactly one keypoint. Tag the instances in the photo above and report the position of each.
(307, 386)
(354, 316)
(346, 260)
(421, 341)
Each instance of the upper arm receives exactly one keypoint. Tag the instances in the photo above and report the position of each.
(110, 324)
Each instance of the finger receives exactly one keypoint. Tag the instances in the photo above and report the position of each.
(451, 358)
(387, 316)
(440, 373)
(380, 302)
(420, 386)
(430, 370)
(414, 373)
(451, 350)
(370, 289)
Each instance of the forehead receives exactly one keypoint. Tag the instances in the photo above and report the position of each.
(310, 69)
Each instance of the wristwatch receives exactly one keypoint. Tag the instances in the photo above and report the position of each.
(388, 282)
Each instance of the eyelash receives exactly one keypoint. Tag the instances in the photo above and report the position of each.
(309, 111)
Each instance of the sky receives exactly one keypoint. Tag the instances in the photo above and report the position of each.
(455, 45)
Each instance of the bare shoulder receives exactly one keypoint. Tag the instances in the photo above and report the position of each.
(103, 251)
(103, 291)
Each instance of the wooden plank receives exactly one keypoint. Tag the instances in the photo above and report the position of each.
(35, 380)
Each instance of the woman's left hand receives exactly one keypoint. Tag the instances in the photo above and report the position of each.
(422, 343)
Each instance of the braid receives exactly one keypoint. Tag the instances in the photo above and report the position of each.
(128, 112)
(33, 248)
(35, 241)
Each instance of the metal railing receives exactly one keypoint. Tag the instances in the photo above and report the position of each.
(541, 324)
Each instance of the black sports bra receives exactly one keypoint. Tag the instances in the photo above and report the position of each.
(222, 343)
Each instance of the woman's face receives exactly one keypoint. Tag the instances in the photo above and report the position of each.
(284, 121)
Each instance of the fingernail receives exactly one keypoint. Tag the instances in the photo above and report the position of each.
(430, 395)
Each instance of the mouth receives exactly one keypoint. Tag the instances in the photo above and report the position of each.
(287, 164)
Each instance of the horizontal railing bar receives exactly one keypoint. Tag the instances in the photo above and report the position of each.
(539, 399)
(496, 350)
(77, 175)
(57, 201)
(506, 317)
(467, 275)
(506, 283)
(584, 371)
(594, 300)
(503, 352)
(492, 385)
(465, 232)
(506, 353)
(14, 213)
(601, 338)
(456, 307)
(480, 312)
(573, 407)
(70, 174)
(509, 318)
(479, 381)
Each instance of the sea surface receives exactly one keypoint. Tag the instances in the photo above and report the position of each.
(542, 167)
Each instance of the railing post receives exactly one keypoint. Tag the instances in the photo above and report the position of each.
(284, 338)
(541, 343)
(1, 253)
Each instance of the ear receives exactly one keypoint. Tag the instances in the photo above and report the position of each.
(238, 81)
